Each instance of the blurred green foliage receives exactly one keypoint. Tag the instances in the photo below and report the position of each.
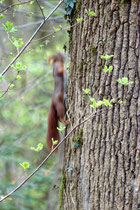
(24, 108)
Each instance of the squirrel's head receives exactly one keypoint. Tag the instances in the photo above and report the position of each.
(60, 57)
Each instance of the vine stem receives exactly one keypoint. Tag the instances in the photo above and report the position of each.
(31, 38)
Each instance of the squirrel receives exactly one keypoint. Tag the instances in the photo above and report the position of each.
(57, 108)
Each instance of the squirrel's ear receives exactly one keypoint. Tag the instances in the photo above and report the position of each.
(50, 58)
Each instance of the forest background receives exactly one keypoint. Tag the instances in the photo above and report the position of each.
(25, 97)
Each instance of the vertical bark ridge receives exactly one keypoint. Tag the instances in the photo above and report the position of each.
(104, 165)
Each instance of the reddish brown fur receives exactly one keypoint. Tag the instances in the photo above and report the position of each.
(57, 109)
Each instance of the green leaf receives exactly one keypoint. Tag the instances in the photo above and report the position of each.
(90, 13)
(41, 46)
(2, 16)
(112, 100)
(8, 27)
(18, 66)
(17, 42)
(39, 147)
(86, 91)
(69, 6)
(99, 103)
(107, 69)
(106, 57)
(25, 165)
(61, 128)
(31, 13)
(124, 81)
(11, 85)
(56, 29)
(110, 68)
(54, 142)
(11, 55)
(76, 145)
(32, 2)
(85, 118)
(1, 77)
(18, 77)
(120, 101)
(79, 20)
(107, 102)
(94, 104)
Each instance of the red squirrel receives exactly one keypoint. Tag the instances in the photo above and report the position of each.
(57, 108)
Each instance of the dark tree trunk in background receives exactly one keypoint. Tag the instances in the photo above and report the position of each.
(103, 172)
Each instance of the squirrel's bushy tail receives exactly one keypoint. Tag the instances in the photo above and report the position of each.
(52, 127)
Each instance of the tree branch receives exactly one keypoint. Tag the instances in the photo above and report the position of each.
(47, 157)
(41, 9)
(13, 5)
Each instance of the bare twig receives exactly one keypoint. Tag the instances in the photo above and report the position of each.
(61, 29)
(41, 9)
(31, 38)
(7, 89)
(13, 5)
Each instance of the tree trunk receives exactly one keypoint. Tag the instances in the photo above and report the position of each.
(101, 157)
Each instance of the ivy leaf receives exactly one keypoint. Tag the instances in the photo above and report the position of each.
(76, 145)
(69, 6)
(69, 169)
(25, 165)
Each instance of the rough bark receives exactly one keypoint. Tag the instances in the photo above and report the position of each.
(103, 172)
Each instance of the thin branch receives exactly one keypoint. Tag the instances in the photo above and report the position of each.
(61, 29)
(57, 19)
(5, 91)
(52, 6)
(21, 12)
(31, 38)
(13, 5)
(41, 9)
(47, 157)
